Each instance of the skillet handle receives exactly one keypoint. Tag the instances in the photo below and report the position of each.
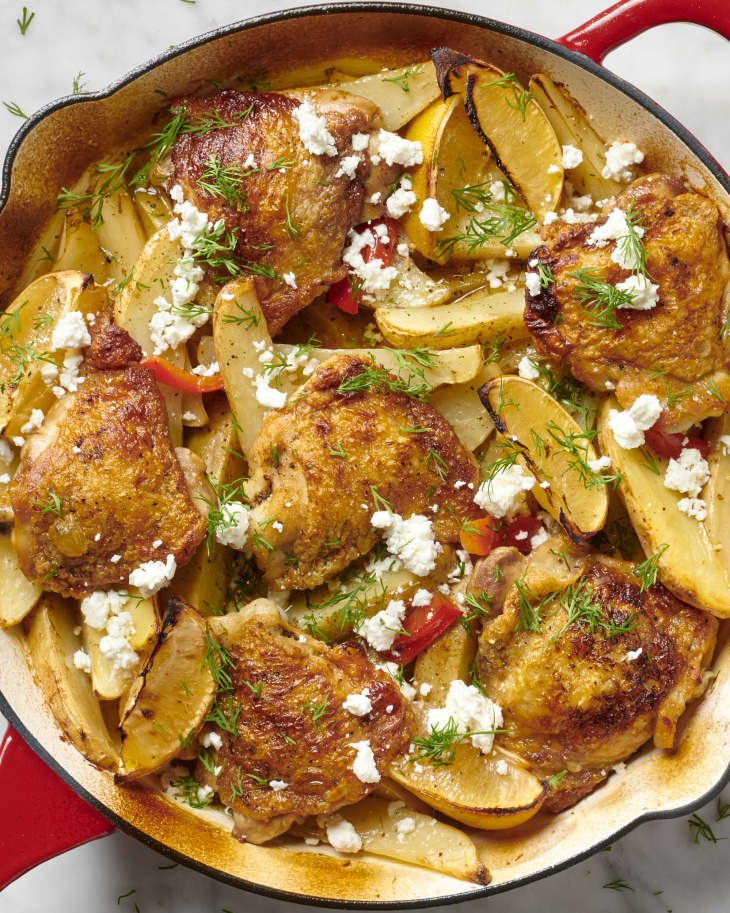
(41, 816)
(629, 18)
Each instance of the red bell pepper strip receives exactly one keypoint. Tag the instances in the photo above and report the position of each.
(670, 445)
(424, 624)
(345, 294)
(482, 536)
(168, 373)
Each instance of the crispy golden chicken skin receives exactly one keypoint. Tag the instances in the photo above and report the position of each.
(579, 696)
(100, 479)
(318, 465)
(675, 348)
(295, 216)
(293, 728)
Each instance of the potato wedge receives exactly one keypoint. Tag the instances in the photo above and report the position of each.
(448, 658)
(413, 288)
(554, 448)
(171, 696)
(454, 159)
(121, 233)
(690, 567)
(512, 124)
(478, 317)
(400, 94)
(461, 407)
(388, 829)
(239, 326)
(135, 307)
(717, 491)
(572, 127)
(108, 682)
(470, 790)
(44, 253)
(52, 643)
(79, 249)
(18, 595)
(25, 328)
(153, 210)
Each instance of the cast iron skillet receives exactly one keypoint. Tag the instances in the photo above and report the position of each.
(50, 807)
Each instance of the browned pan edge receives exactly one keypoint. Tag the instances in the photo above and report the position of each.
(409, 9)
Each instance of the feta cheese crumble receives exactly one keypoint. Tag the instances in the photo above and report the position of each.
(70, 332)
(278, 785)
(348, 166)
(411, 540)
(375, 276)
(572, 156)
(471, 711)
(82, 661)
(364, 766)
(619, 159)
(405, 826)
(212, 740)
(381, 629)
(341, 835)
(422, 598)
(432, 215)
(313, 130)
(232, 528)
(616, 228)
(688, 473)
(398, 151)
(358, 704)
(402, 199)
(628, 427)
(527, 369)
(642, 290)
(533, 284)
(499, 496)
(34, 422)
(360, 141)
(151, 576)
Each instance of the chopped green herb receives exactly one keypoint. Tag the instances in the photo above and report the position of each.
(647, 570)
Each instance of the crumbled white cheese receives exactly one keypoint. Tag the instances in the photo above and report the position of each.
(115, 646)
(693, 507)
(404, 827)
(232, 528)
(533, 284)
(151, 576)
(360, 141)
(425, 689)
(207, 370)
(572, 156)
(398, 151)
(422, 598)
(98, 606)
(70, 332)
(267, 395)
(599, 464)
(348, 166)
(632, 655)
(554, 169)
(313, 130)
(471, 711)
(82, 661)
(499, 495)
(375, 276)
(643, 292)
(5, 478)
(497, 191)
(250, 161)
(540, 536)
(432, 215)
(502, 767)
(341, 835)
(628, 427)
(401, 200)
(278, 785)
(615, 228)
(410, 540)
(526, 368)
(211, 740)
(688, 473)
(115, 559)
(550, 217)
(358, 704)
(619, 159)
(496, 271)
(381, 629)
(290, 279)
(364, 766)
(35, 421)
(375, 198)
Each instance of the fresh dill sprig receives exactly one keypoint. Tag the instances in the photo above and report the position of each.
(531, 607)
(439, 747)
(218, 659)
(520, 96)
(599, 299)
(379, 501)
(190, 788)
(631, 245)
(701, 830)
(500, 221)
(25, 20)
(246, 319)
(575, 444)
(379, 379)
(292, 229)
(407, 74)
(647, 570)
(618, 885)
(317, 711)
(553, 781)
(15, 109)
(79, 85)
(54, 504)
(220, 512)
(585, 610)
(225, 182)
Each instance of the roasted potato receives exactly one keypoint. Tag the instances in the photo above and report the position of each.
(18, 595)
(551, 445)
(168, 701)
(79, 249)
(52, 643)
(121, 234)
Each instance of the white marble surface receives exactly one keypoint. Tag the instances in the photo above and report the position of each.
(685, 68)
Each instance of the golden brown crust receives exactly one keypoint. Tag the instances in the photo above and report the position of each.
(676, 347)
(575, 702)
(323, 501)
(106, 452)
(321, 207)
(111, 346)
(293, 727)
